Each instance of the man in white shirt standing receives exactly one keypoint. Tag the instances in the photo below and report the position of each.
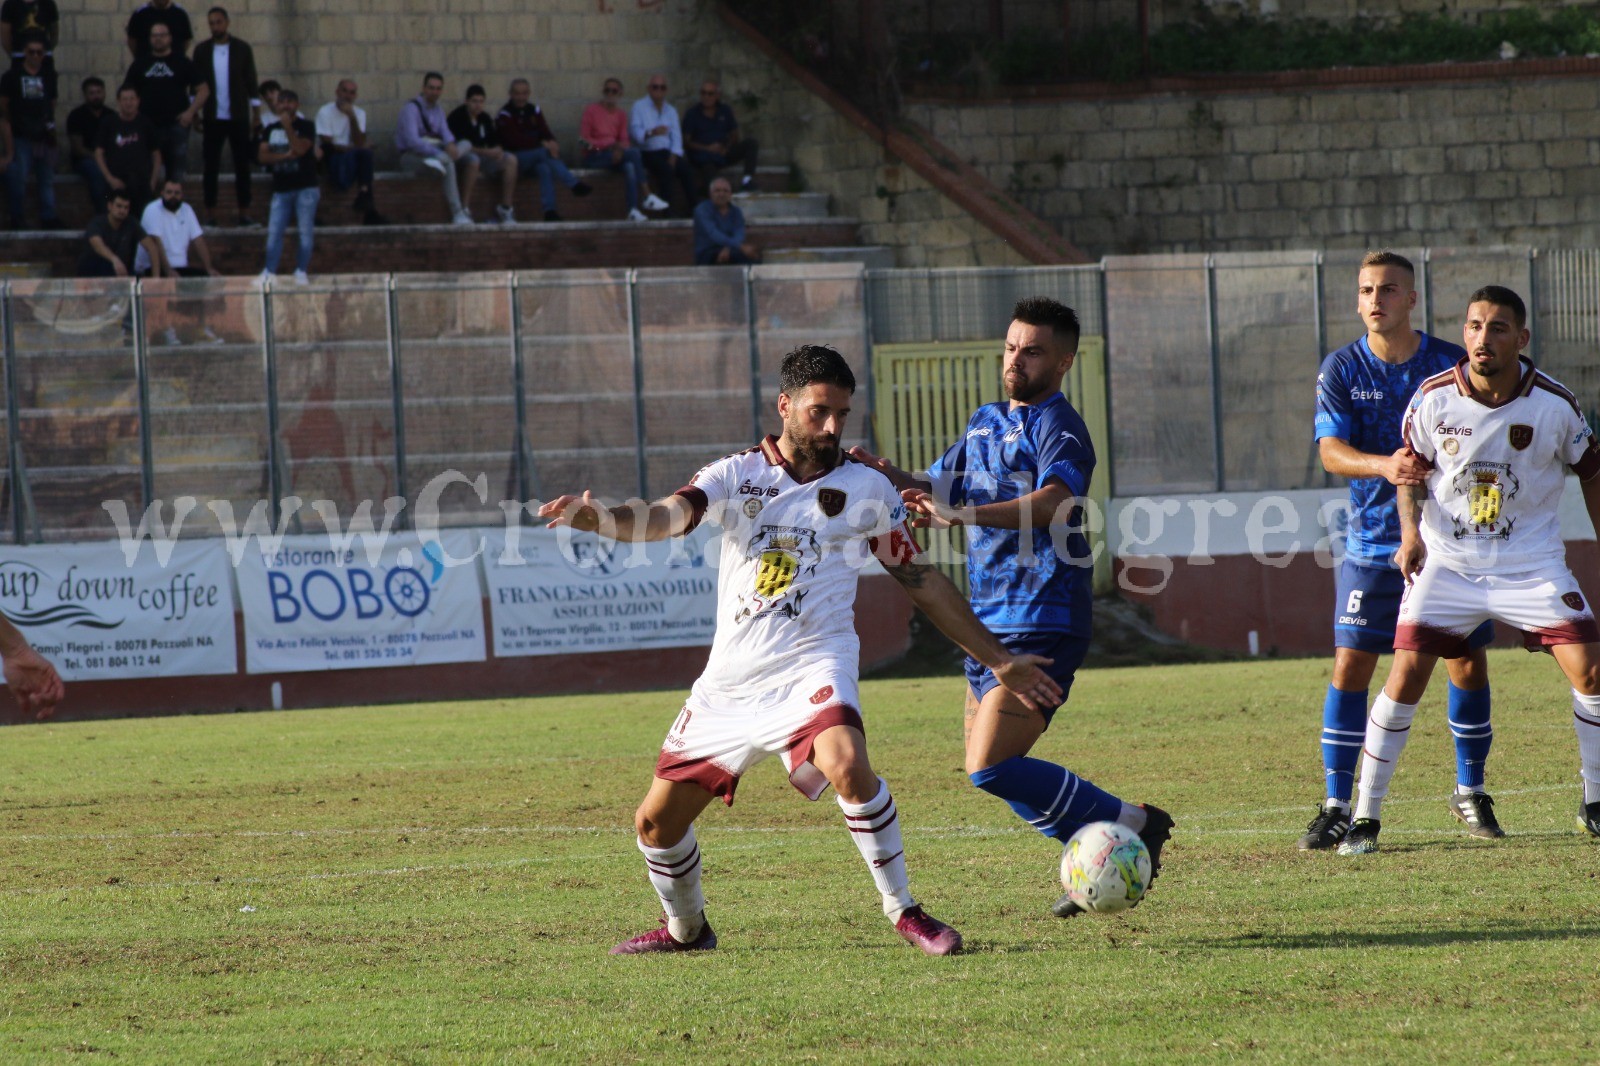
(228, 66)
(654, 126)
(1480, 538)
(342, 130)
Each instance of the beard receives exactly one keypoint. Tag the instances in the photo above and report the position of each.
(171, 205)
(822, 451)
(1021, 389)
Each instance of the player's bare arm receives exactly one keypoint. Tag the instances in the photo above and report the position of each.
(32, 680)
(948, 609)
(631, 522)
(901, 479)
(1591, 501)
(1342, 459)
(1042, 507)
(1412, 554)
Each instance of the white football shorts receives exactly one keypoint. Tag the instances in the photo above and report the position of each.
(1442, 606)
(717, 737)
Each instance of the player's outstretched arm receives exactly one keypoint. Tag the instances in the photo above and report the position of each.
(1342, 459)
(1412, 553)
(1039, 508)
(948, 609)
(631, 522)
(901, 479)
(29, 675)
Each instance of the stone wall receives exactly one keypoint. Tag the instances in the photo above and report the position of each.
(1513, 161)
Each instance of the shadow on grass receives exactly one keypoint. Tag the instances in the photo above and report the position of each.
(1499, 933)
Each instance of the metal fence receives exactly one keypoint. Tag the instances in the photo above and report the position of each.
(367, 388)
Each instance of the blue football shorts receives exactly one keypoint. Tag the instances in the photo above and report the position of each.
(1066, 650)
(1366, 605)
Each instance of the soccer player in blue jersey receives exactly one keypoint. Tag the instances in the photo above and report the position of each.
(1362, 392)
(1016, 479)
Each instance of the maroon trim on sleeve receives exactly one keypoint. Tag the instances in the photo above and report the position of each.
(1588, 464)
(695, 496)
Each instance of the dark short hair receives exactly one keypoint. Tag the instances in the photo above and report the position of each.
(1043, 311)
(92, 80)
(1388, 259)
(220, 11)
(289, 95)
(268, 86)
(814, 364)
(118, 194)
(431, 75)
(1501, 296)
(474, 90)
(128, 89)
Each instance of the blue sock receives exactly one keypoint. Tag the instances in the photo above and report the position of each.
(1344, 724)
(1051, 798)
(1469, 724)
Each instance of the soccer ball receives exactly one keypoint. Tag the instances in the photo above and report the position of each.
(1105, 868)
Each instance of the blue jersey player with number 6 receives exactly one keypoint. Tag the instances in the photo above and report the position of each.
(1362, 392)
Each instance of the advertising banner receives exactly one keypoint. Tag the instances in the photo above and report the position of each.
(98, 617)
(555, 592)
(313, 603)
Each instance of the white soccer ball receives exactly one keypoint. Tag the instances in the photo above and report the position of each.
(1105, 868)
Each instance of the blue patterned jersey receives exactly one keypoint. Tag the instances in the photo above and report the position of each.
(1018, 580)
(1362, 400)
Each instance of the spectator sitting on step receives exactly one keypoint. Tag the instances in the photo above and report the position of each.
(719, 229)
(178, 240)
(711, 137)
(127, 150)
(228, 66)
(83, 127)
(470, 123)
(525, 134)
(289, 149)
(427, 147)
(172, 95)
(342, 130)
(114, 239)
(25, 20)
(603, 136)
(159, 13)
(27, 108)
(655, 128)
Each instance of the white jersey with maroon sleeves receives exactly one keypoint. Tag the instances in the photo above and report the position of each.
(1497, 471)
(791, 554)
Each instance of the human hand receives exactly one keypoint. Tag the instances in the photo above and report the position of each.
(34, 682)
(583, 513)
(929, 511)
(1023, 678)
(616, 153)
(724, 256)
(1404, 467)
(1410, 558)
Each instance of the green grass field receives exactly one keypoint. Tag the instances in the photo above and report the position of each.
(441, 883)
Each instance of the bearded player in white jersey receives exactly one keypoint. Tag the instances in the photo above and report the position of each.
(1481, 538)
(799, 520)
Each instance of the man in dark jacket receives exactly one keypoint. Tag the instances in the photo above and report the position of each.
(228, 67)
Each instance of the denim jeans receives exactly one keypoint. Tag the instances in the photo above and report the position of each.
(31, 158)
(173, 141)
(352, 166)
(632, 168)
(95, 180)
(302, 204)
(550, 169)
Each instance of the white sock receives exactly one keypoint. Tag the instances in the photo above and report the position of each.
(875, 827)
(1135, 818)
(1336, 805)
(1388, 729)
(675, 875)
(1586, 720)
(1466, 790)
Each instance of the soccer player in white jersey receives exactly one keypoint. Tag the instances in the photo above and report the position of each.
(1481, 538)
(799, 520)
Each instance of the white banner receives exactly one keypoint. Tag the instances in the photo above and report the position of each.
(554, 592)
(99, 618)
(314, 604)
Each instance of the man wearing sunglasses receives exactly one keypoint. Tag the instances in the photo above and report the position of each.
(603, 134)
(711, 134)
(655, 127)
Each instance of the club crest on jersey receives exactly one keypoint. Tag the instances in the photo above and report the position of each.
(831, 501)
(822, 695)
(1520, 436)
(1450, 446)
(1573, 600)
(1486, 487)
(751, 508)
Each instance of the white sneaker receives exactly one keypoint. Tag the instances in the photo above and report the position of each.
(436, 163)
(266, 276)
(463, 219)
(170, 336)
(636, 215)
(210, 335)
(300, 278)
(655, 203)
(505, 214)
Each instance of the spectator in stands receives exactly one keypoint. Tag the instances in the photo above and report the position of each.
(27, 105)
(342, 134)
(159, 13)
(25, 20)
(469, 123)
(177, 233)
(127, 150)
(83, 127)
(603, 136)
(228, 66)
(711, 137)
(719, 229)
(165, 80)
(266, 104)
(114, 239)
(289, 149)
(655, 127)
(525, 134)
(427, 146)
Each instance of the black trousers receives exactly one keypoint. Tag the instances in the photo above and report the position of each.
(664, 176)
(236, 134)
